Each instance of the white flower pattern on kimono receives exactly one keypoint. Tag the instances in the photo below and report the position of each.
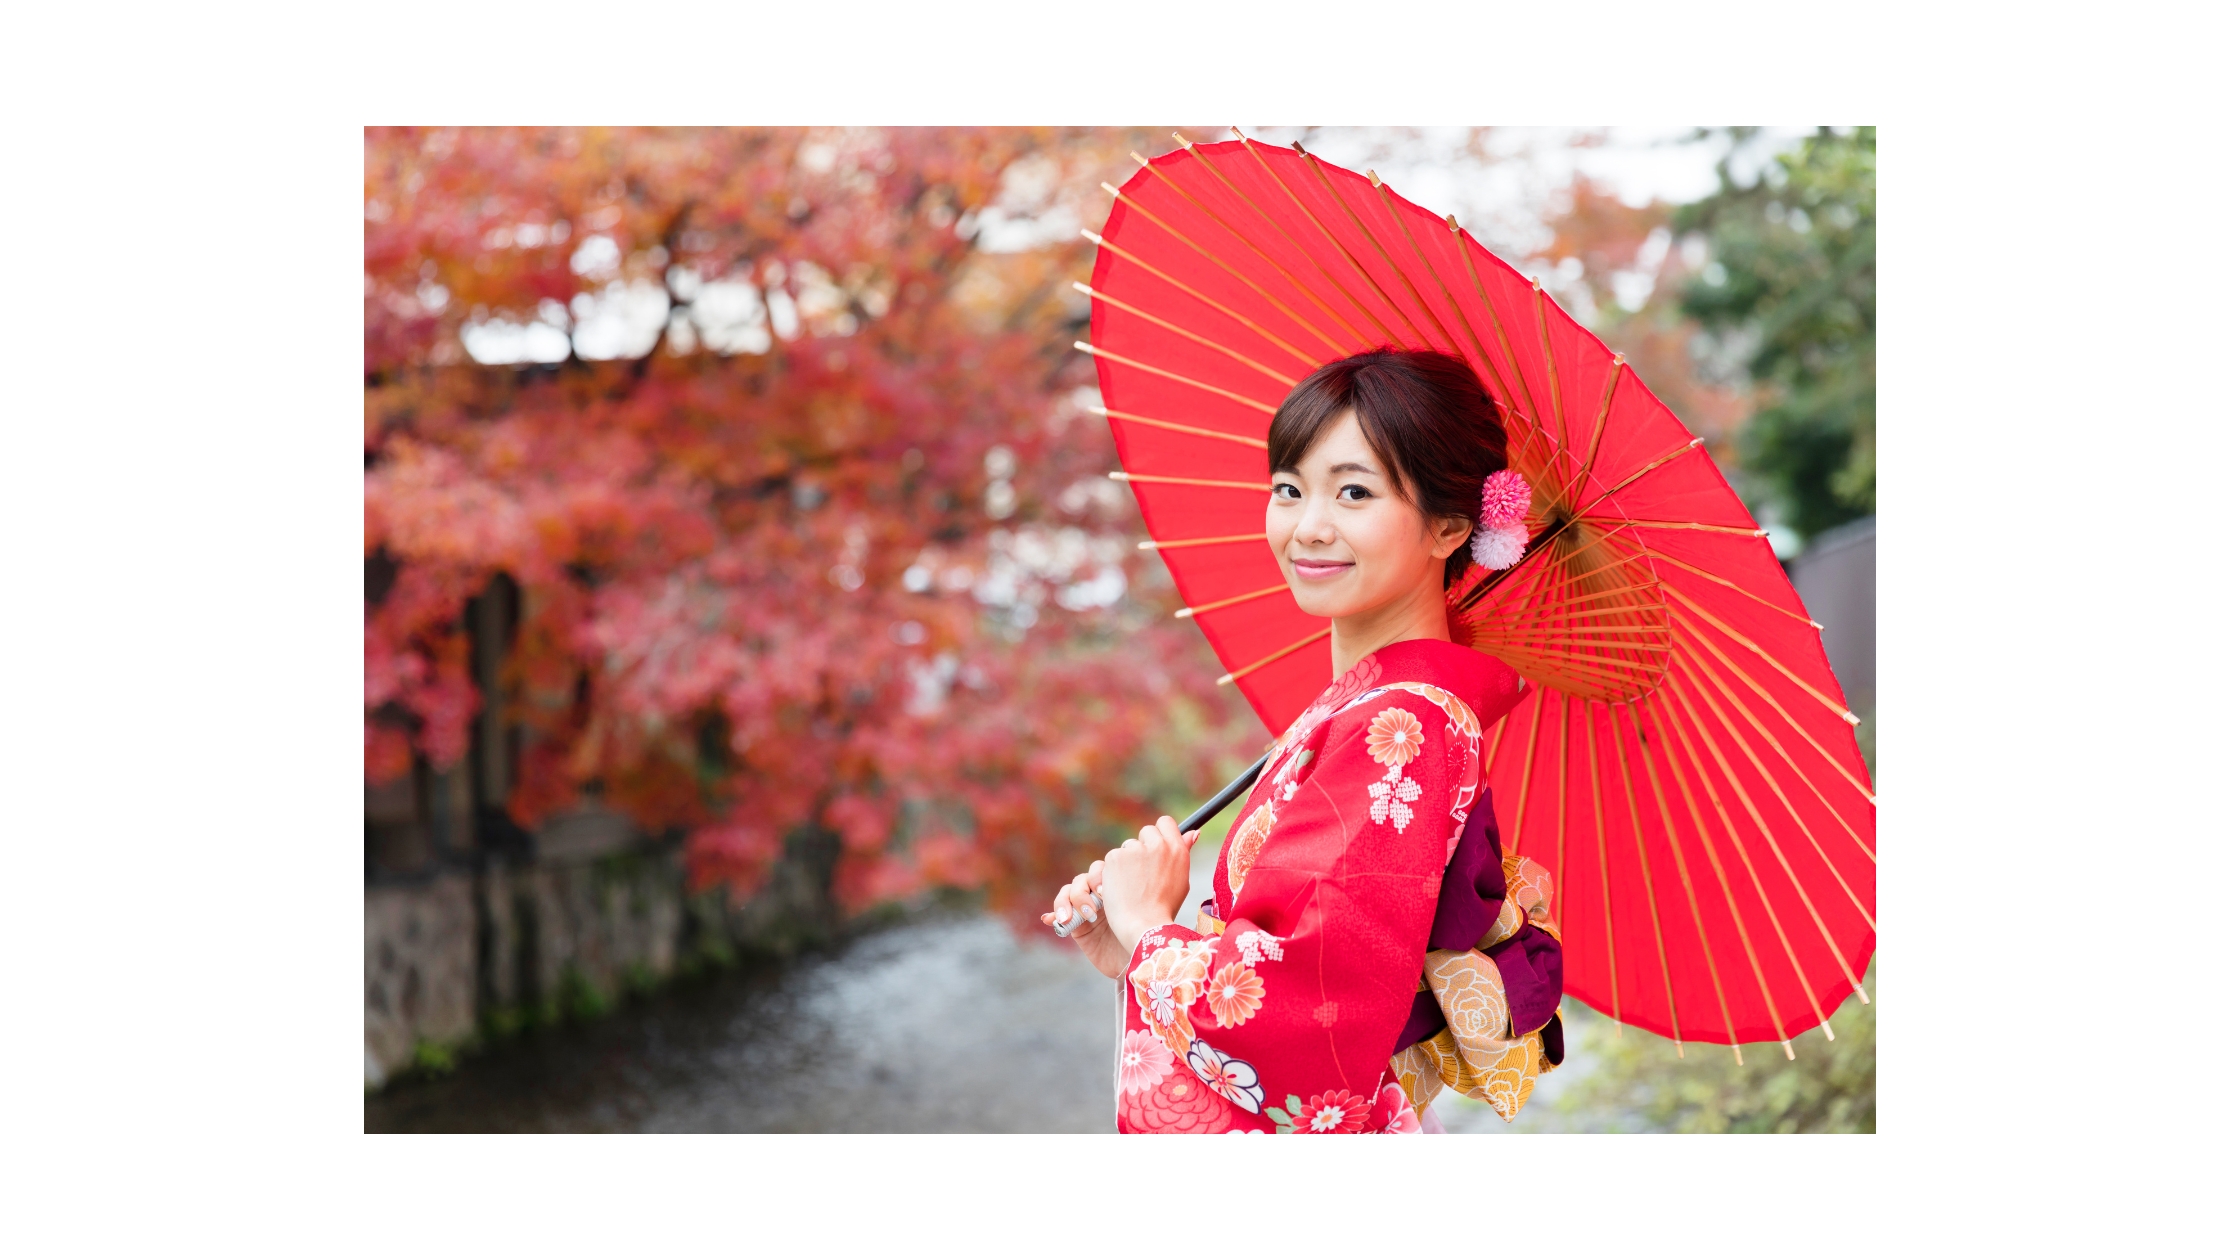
(1391, 798)
(1161, 993)
(1233, 1079)
(1291, 771)
(1255, 945)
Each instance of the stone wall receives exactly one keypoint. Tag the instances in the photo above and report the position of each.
(420, 969)
(589, 912)
(584, 931)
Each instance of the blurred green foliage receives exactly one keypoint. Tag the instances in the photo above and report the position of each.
(433, 1058)
(1636, 1083)
(1787, 296)
(580, 999)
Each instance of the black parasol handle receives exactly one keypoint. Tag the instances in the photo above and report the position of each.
(1198, 818)
(1220, 800)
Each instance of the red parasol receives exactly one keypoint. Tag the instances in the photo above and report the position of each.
(1686, 765)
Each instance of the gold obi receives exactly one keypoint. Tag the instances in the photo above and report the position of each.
(1479, 1052)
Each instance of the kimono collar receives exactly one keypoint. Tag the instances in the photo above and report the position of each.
(1488, 686)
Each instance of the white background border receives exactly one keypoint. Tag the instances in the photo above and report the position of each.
(181, 496)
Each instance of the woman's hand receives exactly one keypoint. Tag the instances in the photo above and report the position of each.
(1103, 950)
(1144, 882)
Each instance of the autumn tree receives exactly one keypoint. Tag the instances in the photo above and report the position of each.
(780, 438)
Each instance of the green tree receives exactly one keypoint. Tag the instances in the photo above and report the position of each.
(1787, 295)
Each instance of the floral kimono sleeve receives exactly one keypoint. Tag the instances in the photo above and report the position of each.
(1285, 1021)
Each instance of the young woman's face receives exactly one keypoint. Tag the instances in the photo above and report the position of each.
(1346, 540)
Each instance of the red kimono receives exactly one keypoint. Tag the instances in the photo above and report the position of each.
(1282, 1016)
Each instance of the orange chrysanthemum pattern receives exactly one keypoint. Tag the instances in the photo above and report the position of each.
(1166, 984)
(1234, 994)
(1395, 737)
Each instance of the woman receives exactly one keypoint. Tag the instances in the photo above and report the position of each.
(1305, 1001)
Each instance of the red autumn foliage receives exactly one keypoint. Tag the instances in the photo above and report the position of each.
(817, 538)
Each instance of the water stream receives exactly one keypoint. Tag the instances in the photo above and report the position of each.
(947, 1024)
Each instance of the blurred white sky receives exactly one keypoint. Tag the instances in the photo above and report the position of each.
(1504, 193)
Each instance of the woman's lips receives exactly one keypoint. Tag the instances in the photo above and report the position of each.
(1314, 570)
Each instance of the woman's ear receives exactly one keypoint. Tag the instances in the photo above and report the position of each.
(1449, 533)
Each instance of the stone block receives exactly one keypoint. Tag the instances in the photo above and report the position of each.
(420, 969)
(608, 922)
(583, 834)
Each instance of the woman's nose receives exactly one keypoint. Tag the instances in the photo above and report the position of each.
(1315, 524)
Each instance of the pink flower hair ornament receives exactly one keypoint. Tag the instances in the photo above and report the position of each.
(1501, 536)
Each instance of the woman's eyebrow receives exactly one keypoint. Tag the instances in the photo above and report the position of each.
(1361, 468)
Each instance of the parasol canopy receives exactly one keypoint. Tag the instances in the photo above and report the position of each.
(1685, 763)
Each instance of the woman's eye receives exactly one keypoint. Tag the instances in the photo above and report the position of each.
(1353, 494)
(1285, 490)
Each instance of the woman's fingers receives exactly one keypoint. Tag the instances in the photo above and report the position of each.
(1164, 831)
(1078, 892)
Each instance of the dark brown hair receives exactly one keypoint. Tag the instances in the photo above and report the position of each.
(1424, 413)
